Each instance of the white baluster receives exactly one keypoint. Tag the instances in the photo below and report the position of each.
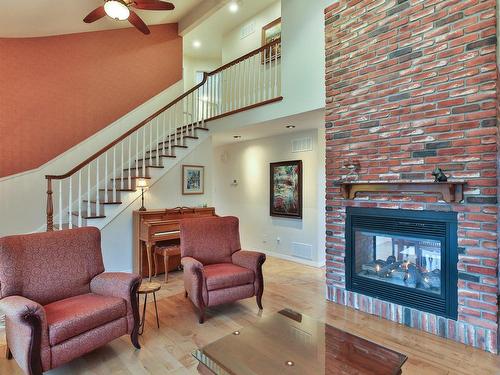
(170, 132)
(183, 119)
(265, 76)
(129, 160)
(137, 152)
(105, 177)
(276, 71)
(151, 145)
(89, 169)
(164, 138)
(80, 198)
(121, 167)
(157, 140)
(60, 205)
(279, 70)
(255, 83)
(144, 152)
(114, 173)
(270, 72)
(70, 202)
(97, 187)
(259, 79)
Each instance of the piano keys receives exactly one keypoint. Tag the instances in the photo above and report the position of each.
(160, 226)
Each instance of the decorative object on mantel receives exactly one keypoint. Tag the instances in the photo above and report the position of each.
(439, 175)
(286, 189)
(452, 191)
(143, 184)
(354, 167)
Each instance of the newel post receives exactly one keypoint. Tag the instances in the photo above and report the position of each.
(50, 206)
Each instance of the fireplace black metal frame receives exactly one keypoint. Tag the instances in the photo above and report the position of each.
(436, 225)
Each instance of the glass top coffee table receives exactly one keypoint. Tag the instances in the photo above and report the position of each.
(292, 343)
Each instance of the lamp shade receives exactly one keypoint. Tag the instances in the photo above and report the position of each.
(141, 183)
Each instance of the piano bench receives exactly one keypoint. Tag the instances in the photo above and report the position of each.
(165, 252)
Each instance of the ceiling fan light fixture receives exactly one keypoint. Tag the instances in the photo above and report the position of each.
(117, 9)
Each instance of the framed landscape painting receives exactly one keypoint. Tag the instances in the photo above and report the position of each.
(286, 189)
(193, 179)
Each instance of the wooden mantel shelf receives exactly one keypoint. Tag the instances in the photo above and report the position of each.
(452, 191)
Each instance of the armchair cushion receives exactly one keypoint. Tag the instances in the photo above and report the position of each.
(227, 275)
(73, 316)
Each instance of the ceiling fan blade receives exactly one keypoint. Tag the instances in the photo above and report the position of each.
(153, 5)
(95, 15)
(135, 20)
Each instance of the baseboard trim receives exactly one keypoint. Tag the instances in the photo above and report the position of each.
(290, 258)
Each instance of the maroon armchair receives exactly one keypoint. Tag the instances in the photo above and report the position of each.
(58, 301)
(216, 270)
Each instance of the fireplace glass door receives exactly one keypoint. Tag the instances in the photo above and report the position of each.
(405, 257)
(400, 260)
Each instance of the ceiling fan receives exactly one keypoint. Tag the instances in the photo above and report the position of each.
(120, 11)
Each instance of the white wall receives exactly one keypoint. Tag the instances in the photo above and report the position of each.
(165, 193)
(192, 65)
(248, 163)
(302, 66)
(23, 196)
(232, 44)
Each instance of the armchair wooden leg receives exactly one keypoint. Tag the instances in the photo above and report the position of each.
(185, 294)
(165, 262)
(259, 301)
(155, 258)
(8, 353)
(201, 316)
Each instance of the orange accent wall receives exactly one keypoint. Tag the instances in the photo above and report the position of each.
(57, 91)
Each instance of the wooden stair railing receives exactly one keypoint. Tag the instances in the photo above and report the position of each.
(81, 194)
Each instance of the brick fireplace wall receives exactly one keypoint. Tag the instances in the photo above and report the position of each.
(412, 85)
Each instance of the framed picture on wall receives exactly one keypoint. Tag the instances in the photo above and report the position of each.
(286, 189)
(193, 179)
(270, 33)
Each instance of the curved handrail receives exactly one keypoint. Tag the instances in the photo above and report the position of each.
(161, 110)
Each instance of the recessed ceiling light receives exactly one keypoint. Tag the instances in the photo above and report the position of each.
(290, 126)
(289, 363)
(196, 44)
(237, 136)
(233, 7)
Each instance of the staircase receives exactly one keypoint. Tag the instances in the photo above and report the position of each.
(99, 188)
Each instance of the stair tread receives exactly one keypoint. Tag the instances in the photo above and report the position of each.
(132, 178)
(86, 217)
(147, 166)
(118, 189)
(101, 202)
(154, 157)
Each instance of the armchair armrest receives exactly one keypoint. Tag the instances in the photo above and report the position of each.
(251, 260)
(122, 285)
(194, 281)
(191, 265)
(26, 328)
(115, 284)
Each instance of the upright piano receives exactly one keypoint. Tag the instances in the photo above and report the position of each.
(153, 227)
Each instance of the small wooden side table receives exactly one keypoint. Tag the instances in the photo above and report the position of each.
(148, 288)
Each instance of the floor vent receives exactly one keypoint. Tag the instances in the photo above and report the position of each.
(302, 144)
(302, 250)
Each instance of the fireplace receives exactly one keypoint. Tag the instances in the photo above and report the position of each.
(404, 256)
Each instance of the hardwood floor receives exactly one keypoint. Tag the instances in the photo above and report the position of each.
(168, 350)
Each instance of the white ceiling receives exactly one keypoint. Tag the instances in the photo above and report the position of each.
(31, 18)
(303, 121)
(211, 31)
